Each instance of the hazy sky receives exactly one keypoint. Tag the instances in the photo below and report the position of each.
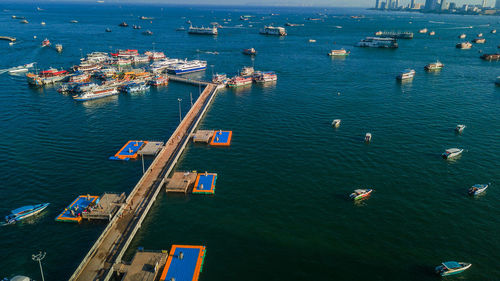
(309, 3)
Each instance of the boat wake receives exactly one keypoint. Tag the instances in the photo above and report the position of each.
(440, 22)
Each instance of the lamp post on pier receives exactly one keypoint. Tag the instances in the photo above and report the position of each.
(180, 115)
(39, 257)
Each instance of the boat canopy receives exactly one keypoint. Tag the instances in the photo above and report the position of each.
(359, 191)
(451, 265)
(22, 209)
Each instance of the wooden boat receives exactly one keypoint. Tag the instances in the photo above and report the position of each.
(451, 153)
(459, 128)
(451, 268)
(360, 194)
(478, 189)
(336, 123)
(24, 212)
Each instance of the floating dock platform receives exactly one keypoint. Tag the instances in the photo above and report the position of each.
(205, 183)
(203, 136)
(184, 263)
(73, 212)
(221, 138)
(106, 207)
(128, 151)
(181, 181)
(151, 148)
(145, 266)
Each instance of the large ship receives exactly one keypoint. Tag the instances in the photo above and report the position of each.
(395, 35)
(378, 42)
(188, 66)
(203, 30)
(271, 30)
(96, 93)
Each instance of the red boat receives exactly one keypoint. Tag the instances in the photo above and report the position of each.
(239, 81)
(45, 42)
(250, 52)
(125, 53)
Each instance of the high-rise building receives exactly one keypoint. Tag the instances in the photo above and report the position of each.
(389, 4)
(444, 6)
(412, 4)
(484, 4)
(431, 5)
(452, 6)
(497, 4)
(377, 4)
(396, 4)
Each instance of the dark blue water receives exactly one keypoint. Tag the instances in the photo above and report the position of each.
(281, 210)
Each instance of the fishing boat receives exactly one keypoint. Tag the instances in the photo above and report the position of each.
(368, 137)
(123, 24)
(434, 66)
(378, 42)
(96, 92)
(336, 123)
(423, 30)
(24, 212)
(464, 45)
(462, 36)
(271, 30)
(405, 75)
(45, 42)
(360, 194)
(203, 30)
(451, 153)
(21, 68)
(479, 40)
(250, 52)
(451, 268)
(491, 57)
(266, 76)
(338, 53)
(478, 189)
(220, 78)
(158, 80)
(460, 128)
(239, 81)
(59, 48)
(73, 21)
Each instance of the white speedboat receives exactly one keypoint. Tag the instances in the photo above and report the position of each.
(368, 137)
(451, 153)
(478, 189)
(336, 123)
(21, 68)
(451, 268)
(460, 128)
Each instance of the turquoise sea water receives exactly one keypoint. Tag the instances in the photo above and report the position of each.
(281, 210)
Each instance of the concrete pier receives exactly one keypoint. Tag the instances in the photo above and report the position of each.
(111, 245)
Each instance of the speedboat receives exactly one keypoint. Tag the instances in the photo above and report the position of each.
(24, 212)
(424, 30)
(22, 68)
(478, 189)
(479, 40)
(451, 153)
(459, 128)
(108, 29)
(462, 36)
(451, 268)
(336, 123)
(368, 137)
(45, 42)
(407, 74)
(360, 194)
(480, 35)
(250, 52)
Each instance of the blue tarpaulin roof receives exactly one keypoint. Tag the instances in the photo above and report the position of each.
(451, 264)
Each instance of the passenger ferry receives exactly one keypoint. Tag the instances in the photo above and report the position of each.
(271, 30)
(268, 76)
(407, 74)
(187, 67)
(158, 80)
(434, 66)
(96, 93)
(338, 53)
(160, 65)
(88, 66)
(378, 42)
(464, 45)
(239, 81)
(140, 59)
(203, 30)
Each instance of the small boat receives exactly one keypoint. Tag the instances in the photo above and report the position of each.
(21, 68)
(423, 30)
(247, 70)
(136, 88)
(24, 212)
(459, 128)
(108, 29)
(45, 42)
(405, 75)
(336, 123)
(148, 32)
(462, 36)
(18, 278)
(59, 48)
(434, 66)
(338, 53)
(220, 78)
(123, 24)
(479, 40)
(451, 268)
(464, 45)
(73, 21)
(368, 137)
(360, 194)
(378, 33)
(494, 31)
(42, 23)
(18, 17)
(24, 21)
(250, 52)
(478, 189)
(136, 26)
(432, 33)
(312, 40)
(451, 153)
(480, 35)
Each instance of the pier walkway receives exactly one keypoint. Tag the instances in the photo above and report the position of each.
(116, 237)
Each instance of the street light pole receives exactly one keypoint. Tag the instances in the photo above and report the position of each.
(180, 115)
(39, 257)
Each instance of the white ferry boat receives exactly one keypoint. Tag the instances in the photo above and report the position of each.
(407, 74)
(187, 67)
(378, 42)
(271, 30)
(203, 30)
(160, 65)
(96, 93)
(140, 59)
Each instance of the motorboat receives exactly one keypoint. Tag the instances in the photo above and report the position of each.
(336, 123)
(45, 42)
(452, 267)
(312, 40)
(148, 32)
(338, 53)
(250, 52)
(490, 57)
(123, 24)
(480, 35)
(464, 45)
(451, 153)
(479, 40)
(494, 31)
(220, 78)
(405, 75)
(368, 137)
(136, 88)
(136, 26)
(24, 212)
(73, 21)
(478, 189)
(460, 128)
(360, 194)
(18, 278)
(21, 68)
(59, 48)
(432, 33)
(423, 30)
(462, 36)
(247, 70)
(434, 66)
